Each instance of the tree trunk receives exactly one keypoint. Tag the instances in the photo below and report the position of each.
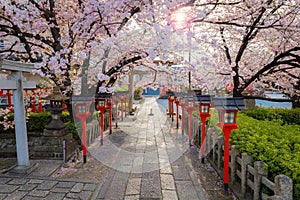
(84, 81)
(296, 102)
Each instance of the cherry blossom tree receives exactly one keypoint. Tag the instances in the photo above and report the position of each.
(58, 35)
(258, 42)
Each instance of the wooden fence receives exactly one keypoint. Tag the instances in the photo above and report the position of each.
(248, 179)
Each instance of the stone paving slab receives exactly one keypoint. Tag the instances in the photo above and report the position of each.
(133, 186)
(31, 188)
(169, 195)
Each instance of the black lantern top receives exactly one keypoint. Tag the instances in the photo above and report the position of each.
(229, 103)
(102, 100)
(56, 95)
(203, 99)
(81, 99)
(56, 98)
(103, 95)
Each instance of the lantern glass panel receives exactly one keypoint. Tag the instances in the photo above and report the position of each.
(172, 97)
(56, 104)
(101, 103)
(220, 117)
(81, 109)
(191, 104)
(229, 117)
(204, 109)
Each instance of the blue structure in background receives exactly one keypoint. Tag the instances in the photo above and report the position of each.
(151, 92)
(273, 95)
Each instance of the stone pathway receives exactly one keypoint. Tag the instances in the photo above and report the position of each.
(148, 159)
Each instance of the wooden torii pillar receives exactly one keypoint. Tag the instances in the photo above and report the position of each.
(15, 82)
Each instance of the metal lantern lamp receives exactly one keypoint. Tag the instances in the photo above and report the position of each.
(228, 110)
(82, 108)
(204, 108)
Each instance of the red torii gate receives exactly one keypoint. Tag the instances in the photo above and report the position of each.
(30, 95)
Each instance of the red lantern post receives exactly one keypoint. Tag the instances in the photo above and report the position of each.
(190, 109)
(177, 112)
(172, 99)
(204, 107)
(227, 110)
(182, 104)
(33, 106)
(82, 105)
(101, 107)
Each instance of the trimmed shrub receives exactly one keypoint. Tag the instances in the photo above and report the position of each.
(285, 116)
(277, 145)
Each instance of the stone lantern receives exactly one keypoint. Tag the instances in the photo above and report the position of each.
(57, 142)
(56, 126)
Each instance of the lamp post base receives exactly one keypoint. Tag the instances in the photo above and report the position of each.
(84, 159)
(226, 192)
(202, 160)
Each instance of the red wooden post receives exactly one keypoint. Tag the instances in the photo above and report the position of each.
(101, 125)
(172, 109)
(33, 106)
(117, 114)
(83, 133)
(9, 101)
(40, 107)
(82, 113)
(177, 114)
(190, 126)
(101, 106)
(182, 115)
(110, 115)
(190, 109)
(169, 104)
(226, 131)
(203, 119)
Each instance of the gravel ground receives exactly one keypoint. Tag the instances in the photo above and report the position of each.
(209, 178)
(93, 170)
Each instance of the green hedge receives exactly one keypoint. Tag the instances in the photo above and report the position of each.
(36, 122)
(285, 116)
(277, 145)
